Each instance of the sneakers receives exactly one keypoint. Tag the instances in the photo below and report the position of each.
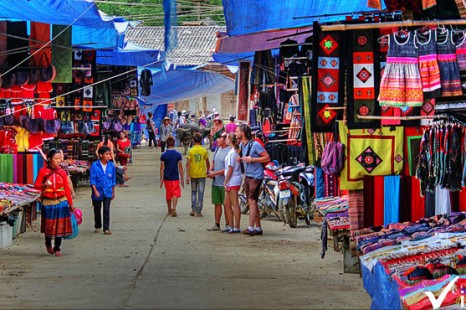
(249, 232)
(199, 214)
(214, 228)
(192, 213)
(234, 231)
(226, 229)
(259, 232)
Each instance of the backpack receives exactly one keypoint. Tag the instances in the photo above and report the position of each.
(333, 158)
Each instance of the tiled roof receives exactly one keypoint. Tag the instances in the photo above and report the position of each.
(194, 47)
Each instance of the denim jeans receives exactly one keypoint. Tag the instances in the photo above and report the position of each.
(97, 204)
(197, 193)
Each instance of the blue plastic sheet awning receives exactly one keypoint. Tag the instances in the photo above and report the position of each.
(130, 55)
(178, 85)
(60, 12)
(251, 16)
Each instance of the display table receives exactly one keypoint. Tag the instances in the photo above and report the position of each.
(77, 169)
(335, 223)
(402, 261)
(17, 203)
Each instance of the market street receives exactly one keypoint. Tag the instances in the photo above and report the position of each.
(155, 261)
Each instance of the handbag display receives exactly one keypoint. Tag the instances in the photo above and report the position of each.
(49, 72)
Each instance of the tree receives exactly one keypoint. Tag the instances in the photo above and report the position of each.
(152, 14)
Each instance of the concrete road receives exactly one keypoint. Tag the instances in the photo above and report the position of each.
(153, 261)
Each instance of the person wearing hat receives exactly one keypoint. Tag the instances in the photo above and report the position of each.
(172, 114)
(231, 126)
(166, 130)
(182, 120)
(216, 131)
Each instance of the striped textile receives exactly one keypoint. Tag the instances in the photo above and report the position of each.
(56, 220)
(306, 101)
(6, 168)
(356, 209)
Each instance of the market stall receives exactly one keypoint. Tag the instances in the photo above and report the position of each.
(17, 208)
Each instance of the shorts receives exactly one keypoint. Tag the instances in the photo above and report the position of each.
(218, 195)
(233, 188)
(172, 189)
(253, 187)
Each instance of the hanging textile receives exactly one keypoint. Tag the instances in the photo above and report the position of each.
(461, 8)
(370, 152)
(306, 100)
(3, 41)
(412, 204)
(363, 79)
(243, 91)
(356, 209)
(392, 199)
(6, 168)
(442, 201)
(329, 81)
(17, 42)
(441, 159)
(263, 69)
(411, 149)
(401, 81)
(62, 54)
(449, 71)
(40, 36)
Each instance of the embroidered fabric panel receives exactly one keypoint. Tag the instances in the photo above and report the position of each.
(363, 77)
(328, 86)
(370, 152)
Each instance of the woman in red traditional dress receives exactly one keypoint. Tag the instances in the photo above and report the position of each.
(56, 202)
(123, 148)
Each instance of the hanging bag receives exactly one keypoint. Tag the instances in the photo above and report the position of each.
(9, 118)
(48, 72)
(74, 225)
(8, 78)
(34, 72)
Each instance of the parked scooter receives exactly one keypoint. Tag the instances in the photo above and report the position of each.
(296, 191)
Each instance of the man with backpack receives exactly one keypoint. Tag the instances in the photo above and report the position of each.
(253, 156)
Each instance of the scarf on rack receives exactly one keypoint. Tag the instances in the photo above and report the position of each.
(392, 199)
(411, 149)
(62, 56)
(40, 36)
(356, 209)
(243, 92)
(306, 101)
(363, 79)
(370, 152)
(329, 79)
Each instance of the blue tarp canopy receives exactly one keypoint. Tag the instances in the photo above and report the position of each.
(60, 12)
(251, 16)
(178, 85)
(130, 55)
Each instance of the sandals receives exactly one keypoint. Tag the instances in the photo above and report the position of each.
(174, 213)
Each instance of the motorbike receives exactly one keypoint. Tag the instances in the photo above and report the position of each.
(267, 201)
(296, 190)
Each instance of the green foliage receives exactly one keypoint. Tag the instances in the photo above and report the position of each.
(151, 11)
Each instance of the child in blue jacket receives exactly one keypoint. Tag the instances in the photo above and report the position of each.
(103, 182)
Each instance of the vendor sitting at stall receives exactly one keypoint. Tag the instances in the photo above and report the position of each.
(123, 146)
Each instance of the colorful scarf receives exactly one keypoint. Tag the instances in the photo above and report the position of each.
(370, 152)
(329, 79)
(363, 78)
(243, 93)
(62, 56)
(306, 100)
